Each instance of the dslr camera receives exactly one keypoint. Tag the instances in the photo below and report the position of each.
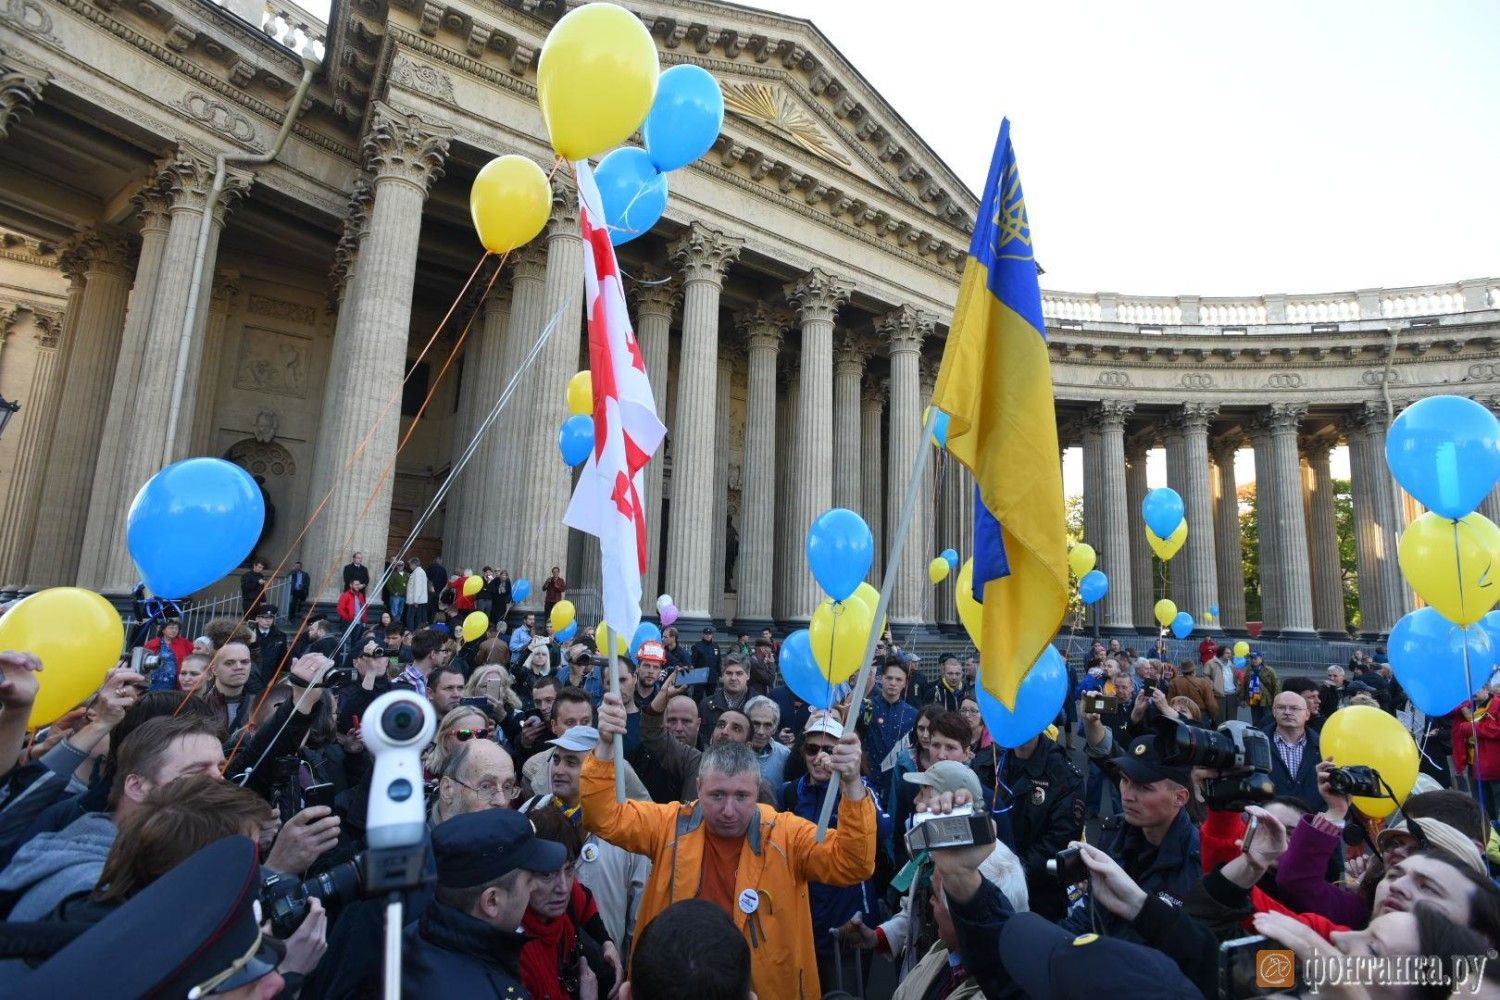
(1356, 780)
(1237, 750)
(283, 898)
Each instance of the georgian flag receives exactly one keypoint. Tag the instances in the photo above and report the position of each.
(609, 499)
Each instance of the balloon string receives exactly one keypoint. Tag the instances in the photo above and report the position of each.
(1458, 560)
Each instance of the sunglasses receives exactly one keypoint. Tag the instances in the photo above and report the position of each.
(813, 749)
(464, 735)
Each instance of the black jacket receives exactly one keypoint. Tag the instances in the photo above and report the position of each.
(1045, 796)
(447, 953)
(706, 655)
(1170, 869)
(1303, 784)
(269, 651)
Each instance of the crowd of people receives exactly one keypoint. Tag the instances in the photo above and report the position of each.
(197, 827)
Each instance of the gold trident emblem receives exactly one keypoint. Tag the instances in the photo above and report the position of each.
(1012, 231)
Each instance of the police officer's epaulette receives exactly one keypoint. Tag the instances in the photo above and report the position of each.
(1112, 824)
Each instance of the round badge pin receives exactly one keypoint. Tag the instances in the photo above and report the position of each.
(590, 853)
(749, 901)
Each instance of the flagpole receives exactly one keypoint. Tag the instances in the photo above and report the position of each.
(893, 561)
(614, 687)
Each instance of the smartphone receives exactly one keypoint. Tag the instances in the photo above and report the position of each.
(318, 795)
(1099, 704)
(1252, 827)
(1248, 962)
(692, 678)
(481, 703)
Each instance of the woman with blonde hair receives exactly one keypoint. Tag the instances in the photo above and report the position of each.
(494, 682)
(459, 726)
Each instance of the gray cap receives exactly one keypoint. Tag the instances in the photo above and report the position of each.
(579, 738)
(949, 776)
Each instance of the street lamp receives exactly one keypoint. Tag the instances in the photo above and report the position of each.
(7, 410)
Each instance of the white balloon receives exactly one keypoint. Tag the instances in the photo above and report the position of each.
(663, 602)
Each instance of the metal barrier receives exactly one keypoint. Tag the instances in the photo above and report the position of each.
(197, 614)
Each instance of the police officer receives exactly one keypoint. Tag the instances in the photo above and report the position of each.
(1044, 792)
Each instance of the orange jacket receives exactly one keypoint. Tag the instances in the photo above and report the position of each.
(781, 855)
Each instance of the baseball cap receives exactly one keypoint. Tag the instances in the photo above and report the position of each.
(651, 651)
(825, 724)
(1142, 764)
(1437, 834)
(479, 847)
(949, 776)
(578, 738)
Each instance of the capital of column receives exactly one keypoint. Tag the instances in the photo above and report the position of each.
(226, 286)
(404, 147)
(704, 254)
(529, 261)
(1111, 414)
(927, 370)
(49, 326)
(1315, 447)
(356, 222)
(1193, 417)
(564, 218)
(1366, 418)
(762, 326)
(788, 365)
(873, 395)
(1070, 431)
(1223, 447)
(904, 328)
(185, 177)
(1139, 444)
(1285, 418)
(657, 292)
(20, 89)
(104, 250)
(817, 295)
(850, 354)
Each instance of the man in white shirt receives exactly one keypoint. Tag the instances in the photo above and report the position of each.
(1229, 700)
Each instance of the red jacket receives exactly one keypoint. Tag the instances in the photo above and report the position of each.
(352, 606)
(1219, 842)
(182, 647)
(1478, 740)
(1207, 650)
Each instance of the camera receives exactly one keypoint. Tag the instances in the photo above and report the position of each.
(1068, 867)
(960, 828)
(1356, 780)
(283, 898)
(338, 676)
(1099, 704)
(397, 727)
(1238, 750)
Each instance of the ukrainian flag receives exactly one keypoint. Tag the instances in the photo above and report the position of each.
(996, 386)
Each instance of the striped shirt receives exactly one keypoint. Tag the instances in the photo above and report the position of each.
(1291, 753)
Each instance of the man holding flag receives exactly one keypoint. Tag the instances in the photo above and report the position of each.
(996, 386)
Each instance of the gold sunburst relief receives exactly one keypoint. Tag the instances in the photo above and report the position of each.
(774, 108)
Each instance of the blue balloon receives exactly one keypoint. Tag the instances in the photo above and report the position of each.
(1239, 661)
(192, 524)
(1038, 701)
(1213, 609)
(940, 430)
(645, 632)
(840, 551)
(1427, 656)
(952, 557)
(1182, 625)
(1162, 510)
(575, 439)
(520, 590)
(1093, 586)
(633, 193)
(686, 117)
(1445, 451)
(563, 634)
(801, 672)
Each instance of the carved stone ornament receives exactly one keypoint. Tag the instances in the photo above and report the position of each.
(297, 312)
(850, 353)
(423, 79)
(266, 424)
(1113, 377)
(404, 147)
(762, 326)
(705, 254)
(29, 18)
(905, 327)
(186, 176)
(655, 291)
(19, 90)
(768, 105)
(818, 295)
(1283, 380)
(219, 117)
(1112, 413)
(274, 363)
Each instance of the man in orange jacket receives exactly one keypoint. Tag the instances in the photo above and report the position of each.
(748, 859)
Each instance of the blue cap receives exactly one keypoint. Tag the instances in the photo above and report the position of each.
(1049, 963)
(479, 847)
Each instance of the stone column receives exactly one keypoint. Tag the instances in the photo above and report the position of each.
(484, 378)
(872, 469)
(102, 259)
(34, 428)
(1142, 570)
(226, 292)
(762, 329)
(1267, 527)
(788, 546)
(504, 453)
(1227, 550)
(729, 355)
(546, 491)
(952, 485)
(817, 296)
(1093, 490)
(1292, 582)
(928, 498)
(656, 298)
(1112, 541)
(1382, 599)
(1322, 537)
(1188, 474)
(406, 154)
(904, 329)
(848, 369)
(704, 255)
(20, 88)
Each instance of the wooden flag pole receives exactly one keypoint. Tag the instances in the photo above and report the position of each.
(892, 563)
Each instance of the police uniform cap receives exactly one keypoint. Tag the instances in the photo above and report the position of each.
(1141, 763)
(476, 848)
(1049, 963)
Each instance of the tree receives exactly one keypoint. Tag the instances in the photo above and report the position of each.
(1250, 551)
(1343, 513)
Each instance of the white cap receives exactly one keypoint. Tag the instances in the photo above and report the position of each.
(825, 724)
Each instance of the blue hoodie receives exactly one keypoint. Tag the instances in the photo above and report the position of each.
(834, 905)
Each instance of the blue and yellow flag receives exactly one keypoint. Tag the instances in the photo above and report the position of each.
(996, 386)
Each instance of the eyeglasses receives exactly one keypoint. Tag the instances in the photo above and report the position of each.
(464, 735)
(488, 788)
(813, 749)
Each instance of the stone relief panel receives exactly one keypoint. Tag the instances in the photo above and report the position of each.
(423, 79)
(297, 312)
(274, 363)
(221, 118)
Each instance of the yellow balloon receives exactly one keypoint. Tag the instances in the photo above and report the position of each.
(839, 634)
(1082, 558)
(1166, 548)
(76, 634)
(938, 569)
(1451, 564)
(871, 598)
(1165, 612)
(1242, 648)
(1362, 734)
(581, 394)
(510, 202)
(563, 614)
(596, 79)
(476, 624)
(473, 585)
(970, 611)
(601, 640)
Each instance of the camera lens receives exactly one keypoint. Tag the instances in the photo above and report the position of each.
(401, 722)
